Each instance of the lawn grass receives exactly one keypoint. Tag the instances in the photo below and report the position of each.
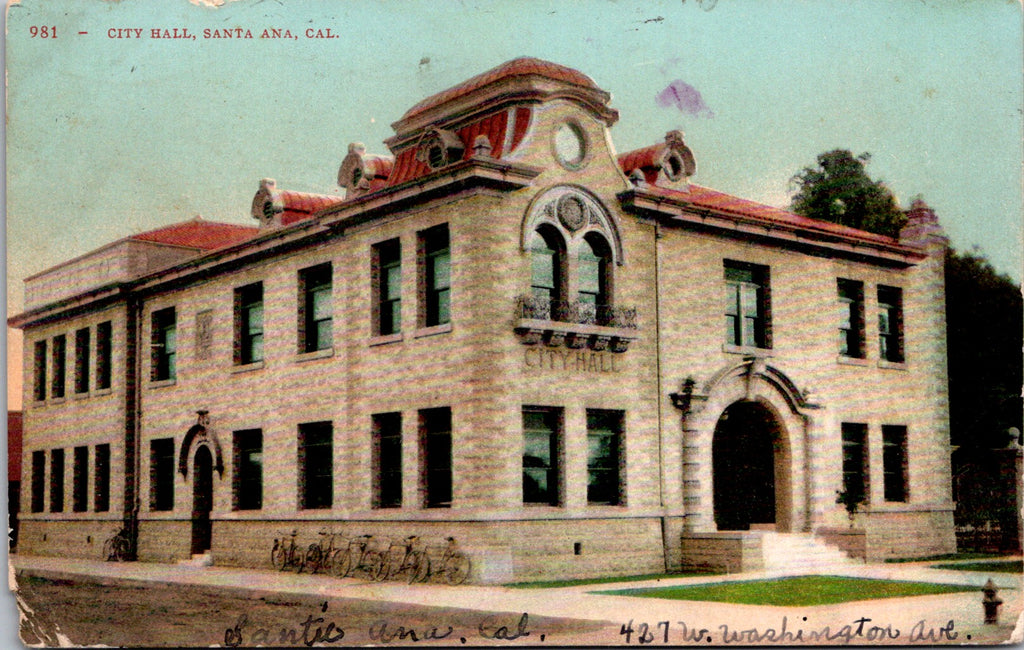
(966, 555)
(999, 566)
(798, 591)
(554, 584)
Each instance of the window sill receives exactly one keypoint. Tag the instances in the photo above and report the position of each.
(84, 395)
(748, 351)
(102, 391)
(248, 367)
(852, 361)
(575, 335)
(385, 339)
(434, 330)
(314, 355)
(892, 365)
(56, 400)
(161, 383)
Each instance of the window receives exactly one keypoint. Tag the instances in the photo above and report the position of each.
(436, 446)
(38, 480)
(316, 465)
(59, 366)
(80, 485)
(387, 287)
(39, 371)
(56, 480)
(315, 308)
(894, 462)
(82, 360)
(594, 281)
(890, 324)
(249, 324)
(103, 360)
(604, 457)
(161, 474)
(435, 276)
(164, 345)
(851, 318)
(387, 460)
(541, 450)
(547, 273)
(248, 475)
(747, 304)
(855, 461)
(101, 491)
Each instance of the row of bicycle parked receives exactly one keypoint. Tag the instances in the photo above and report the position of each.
(373, 558)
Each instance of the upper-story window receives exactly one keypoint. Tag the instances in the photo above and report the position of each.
(39, 371)
(435, 276)
(594, 278)
(851, 318)
(547, 271)
(249, 324)
(890, 324)
(315, 308)
(747, 305)
(387, 287)
(164, 345)
(103, 355)
(82, 341)
(60, 344)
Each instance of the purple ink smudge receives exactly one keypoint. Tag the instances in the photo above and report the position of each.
(685, 98)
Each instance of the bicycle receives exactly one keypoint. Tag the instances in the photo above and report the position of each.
(357, 556)
(116, 548)
(286, 553)
(455, 565)
(403, 557)
(320, 556)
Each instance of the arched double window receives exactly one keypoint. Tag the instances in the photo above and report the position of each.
(594, 279)
(547, 272)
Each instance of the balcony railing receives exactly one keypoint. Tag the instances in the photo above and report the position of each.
(575, 324)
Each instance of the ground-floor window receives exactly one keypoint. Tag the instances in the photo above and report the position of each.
(542, 440)
(161, 474)
(248, 475)
(436, 446)
(56, 480)
(387, 460)
(894, 461)
(316, 465)
(38, 481)
(855, 461)
(604, 457)
(101, 490)
(80, 485)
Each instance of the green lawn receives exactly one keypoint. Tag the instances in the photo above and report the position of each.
(799, 591)
(1003, 566)
(554, 584)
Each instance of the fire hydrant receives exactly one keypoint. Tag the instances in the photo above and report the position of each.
(991, 602)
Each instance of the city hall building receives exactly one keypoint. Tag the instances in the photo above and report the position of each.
(575, 362)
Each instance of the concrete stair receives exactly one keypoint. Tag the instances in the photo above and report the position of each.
(800, 552)
(200, 560)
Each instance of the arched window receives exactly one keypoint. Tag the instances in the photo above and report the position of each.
(594, 271)
(547, 261)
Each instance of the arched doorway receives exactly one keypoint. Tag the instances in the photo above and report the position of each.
(750, 469)
(202, 499)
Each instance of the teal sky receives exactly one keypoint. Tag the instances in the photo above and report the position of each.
(108, 137)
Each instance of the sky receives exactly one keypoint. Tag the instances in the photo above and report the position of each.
(107, 137)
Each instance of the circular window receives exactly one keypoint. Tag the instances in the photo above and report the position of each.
(570, 145)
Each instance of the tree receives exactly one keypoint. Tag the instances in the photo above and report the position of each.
(839, 190)
(984, 323)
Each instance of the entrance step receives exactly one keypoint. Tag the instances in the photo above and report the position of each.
(198, 560)
(798, 552)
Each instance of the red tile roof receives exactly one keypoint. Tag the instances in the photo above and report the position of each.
(524, 66)
(300, 205)
(199, 233)
(646, 160)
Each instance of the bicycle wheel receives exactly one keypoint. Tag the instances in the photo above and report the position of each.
(328, 560)
(278, 556)
(343, 565)
(420, 567)
(312, 559)
(120, 549)
(109, 554)
(395, 559)
(376, 566)
(456, 569)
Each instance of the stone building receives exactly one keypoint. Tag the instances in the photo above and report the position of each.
(576, 362)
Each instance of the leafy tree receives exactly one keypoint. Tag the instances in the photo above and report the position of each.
(839, 190)
(984, 324)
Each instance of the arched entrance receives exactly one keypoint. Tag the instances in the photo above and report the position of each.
(750, 469)
(202, 499)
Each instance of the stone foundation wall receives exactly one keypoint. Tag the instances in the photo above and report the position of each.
(908, 534)
(731, 552)
(166, 541)
(67, 538)
(851, 541)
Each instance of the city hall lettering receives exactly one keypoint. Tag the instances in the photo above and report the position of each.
(571, 360)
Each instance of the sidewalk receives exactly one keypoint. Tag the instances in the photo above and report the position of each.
(903, 615)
